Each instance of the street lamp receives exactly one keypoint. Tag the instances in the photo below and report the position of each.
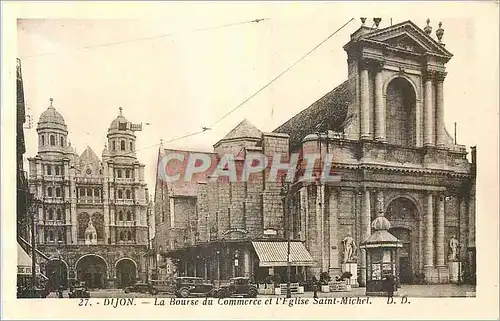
(285, 195)
(59, 255)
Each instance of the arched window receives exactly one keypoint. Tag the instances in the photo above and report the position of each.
(120, 194)
(51, 236)
(51, 214)
(57, 169)
(122, 236)
(59, 214)
(96, 192)
(58, 192)
(49, 169)
(131, 146)
(127, 192)
(43, 140)
(113, 144)
(120, 216)
(129, 216)
(82, 192)
(52, 140)
(62, 141)
(89, 192)
(59, 236)
(122, 145)
(127, 173)
(129, 236)
(62, 170)
(49, 191)
(119, 173)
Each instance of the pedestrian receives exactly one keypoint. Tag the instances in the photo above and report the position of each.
(389, 285)
(315, 287)
(60, 292)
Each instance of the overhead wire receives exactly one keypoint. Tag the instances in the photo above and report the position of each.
(153, 37)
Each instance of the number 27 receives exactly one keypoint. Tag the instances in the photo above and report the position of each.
(83, 302)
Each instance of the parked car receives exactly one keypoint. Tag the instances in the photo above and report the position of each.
(78, 290)
(164, 286)
(239, 286)
(141, 287)
(185, 287)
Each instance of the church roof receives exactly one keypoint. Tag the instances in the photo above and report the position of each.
(244, 129)
(89, 156)
(327, 113)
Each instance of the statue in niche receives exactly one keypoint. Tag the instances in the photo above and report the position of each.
(349, 249)
(454, 244)
(90, 234)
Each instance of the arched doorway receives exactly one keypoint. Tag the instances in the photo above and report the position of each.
(92, 269)
(403, 215)
(400, 113)
(126, 270)
(57, 272)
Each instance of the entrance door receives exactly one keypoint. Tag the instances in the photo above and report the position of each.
(405, 275)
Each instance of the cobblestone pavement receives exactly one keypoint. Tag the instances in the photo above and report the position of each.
(446, 290)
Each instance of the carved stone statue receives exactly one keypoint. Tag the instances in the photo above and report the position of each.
(349, 249)
(454, 244)
(90, 234)
(380, 203)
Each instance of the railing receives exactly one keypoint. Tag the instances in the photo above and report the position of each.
(89, 180)
(121, 201)
(124, 180)
(126, 223)
(54, 222)
(89, 201)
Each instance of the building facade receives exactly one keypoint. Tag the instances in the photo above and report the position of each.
(384, 129)
(92, 217)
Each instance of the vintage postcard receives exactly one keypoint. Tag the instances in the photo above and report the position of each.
(245, 160)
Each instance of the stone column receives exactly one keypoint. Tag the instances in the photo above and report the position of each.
(333, 227)
(379, 105)
(365, 231)
(365, 102)
(440, 232)
(429, 238)
(428, 110)
(440, 131)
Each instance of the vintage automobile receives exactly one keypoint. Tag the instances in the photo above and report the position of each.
(78, 290)
(186, 287)
(239, 286)
(141, 287)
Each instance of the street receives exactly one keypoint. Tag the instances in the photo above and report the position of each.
(415, 291)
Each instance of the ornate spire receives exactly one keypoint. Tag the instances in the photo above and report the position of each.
(377, 21)
(440, 33)
(51, 101)
(428, 28)
(120, 109)
(363, 20)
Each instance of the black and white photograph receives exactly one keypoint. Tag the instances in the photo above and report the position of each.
(241, 156)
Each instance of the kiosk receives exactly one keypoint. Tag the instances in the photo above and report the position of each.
(382, 251)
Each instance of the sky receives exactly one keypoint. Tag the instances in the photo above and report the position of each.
(189, 78)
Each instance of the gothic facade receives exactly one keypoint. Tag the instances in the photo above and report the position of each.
(92, 212)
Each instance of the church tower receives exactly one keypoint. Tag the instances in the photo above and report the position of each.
(398, 74)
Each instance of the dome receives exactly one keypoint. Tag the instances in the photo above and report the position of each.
(51, 115)
(115, 124)
(381, 223)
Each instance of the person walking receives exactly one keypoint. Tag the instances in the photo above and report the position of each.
(389, 283)
(315, 283)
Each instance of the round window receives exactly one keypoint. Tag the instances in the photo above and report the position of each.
(89, 171)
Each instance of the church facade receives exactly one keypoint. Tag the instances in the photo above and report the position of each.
(384, 127)
(92, 213)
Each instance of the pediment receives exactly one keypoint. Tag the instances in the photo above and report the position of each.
(409, 37)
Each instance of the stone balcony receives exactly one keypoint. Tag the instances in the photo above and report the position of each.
(89, 180)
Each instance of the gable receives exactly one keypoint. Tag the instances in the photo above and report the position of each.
(406, 36)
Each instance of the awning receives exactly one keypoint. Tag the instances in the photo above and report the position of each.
(24, 262)
(275, 253)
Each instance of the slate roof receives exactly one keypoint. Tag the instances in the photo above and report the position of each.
(89, 156)
(244, 129)
(327, 113)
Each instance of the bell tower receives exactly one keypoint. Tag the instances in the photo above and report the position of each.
(398, 73)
